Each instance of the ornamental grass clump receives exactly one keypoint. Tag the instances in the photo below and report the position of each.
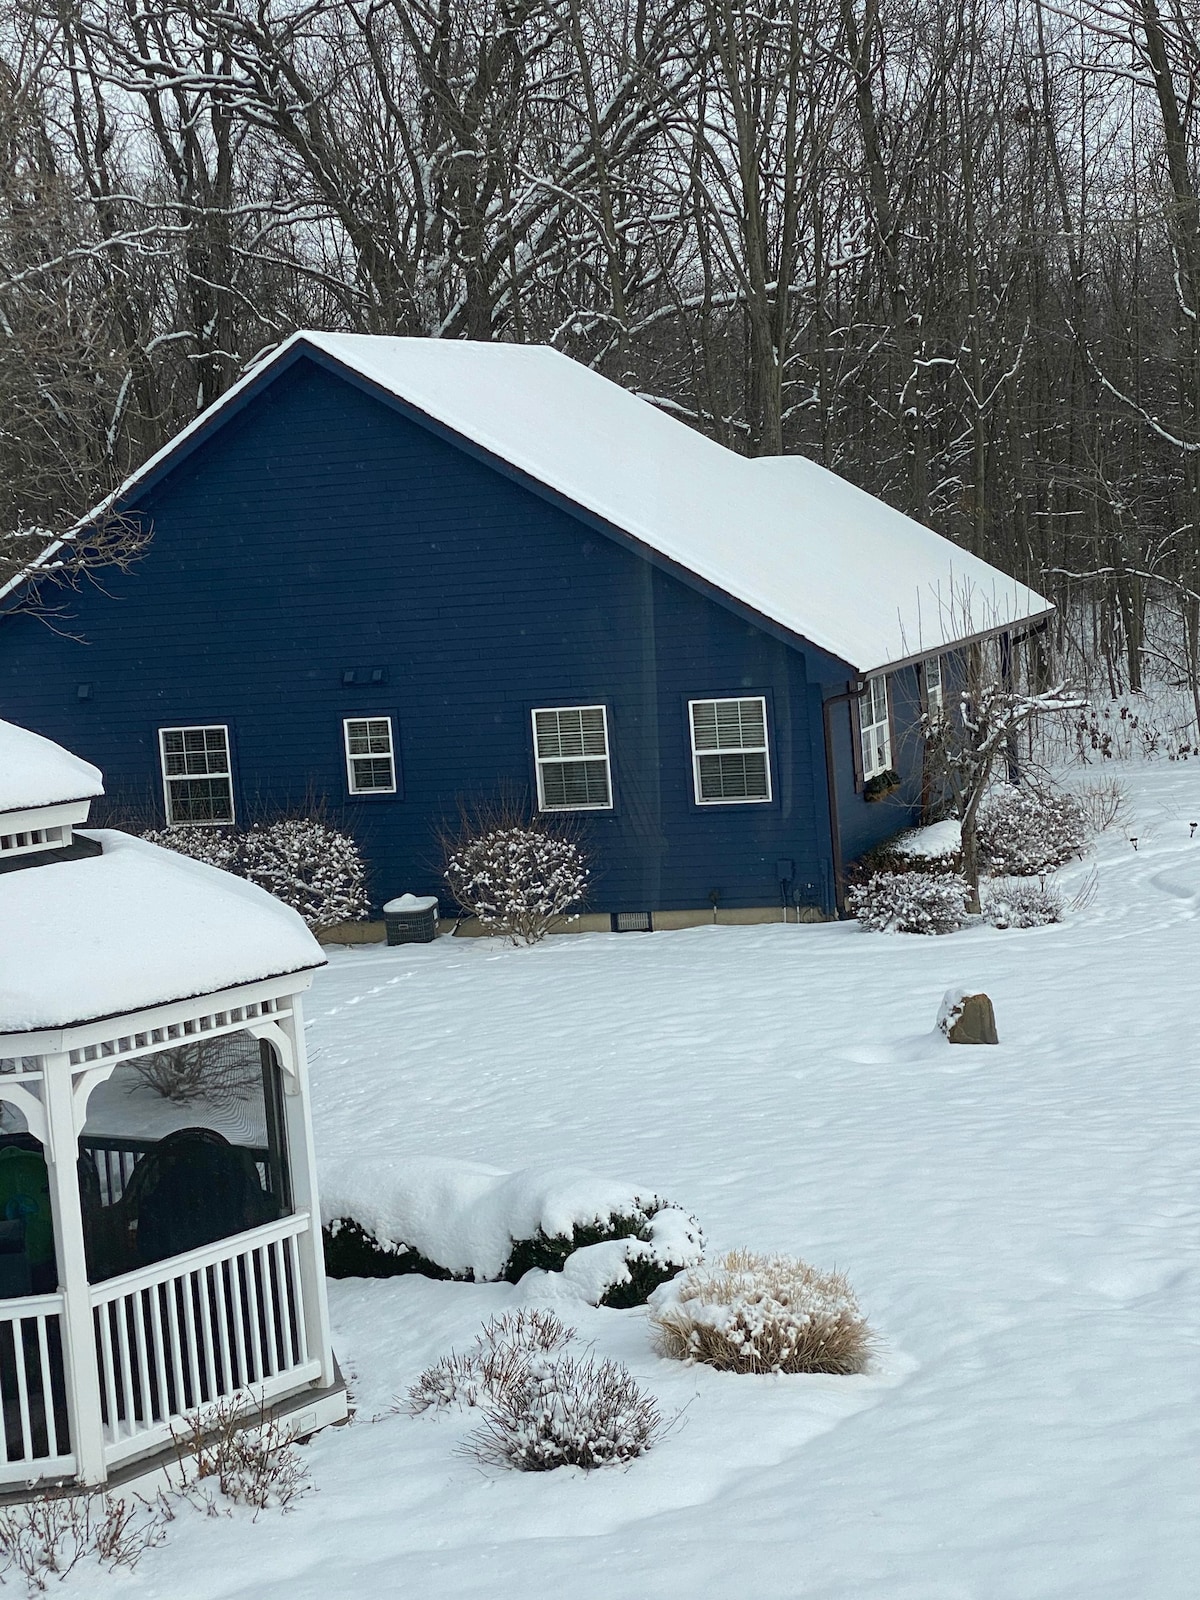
(754, 1313)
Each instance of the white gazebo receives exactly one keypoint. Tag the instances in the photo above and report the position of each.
(160, 1247)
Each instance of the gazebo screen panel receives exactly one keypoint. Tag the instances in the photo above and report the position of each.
(180, 1149)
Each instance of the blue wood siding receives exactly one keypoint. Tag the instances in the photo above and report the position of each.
(323, 534)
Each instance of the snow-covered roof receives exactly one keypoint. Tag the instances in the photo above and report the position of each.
(36, 772)
(797, 544)
(135, 927)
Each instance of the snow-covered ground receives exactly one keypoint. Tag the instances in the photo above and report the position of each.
(1022, 1224)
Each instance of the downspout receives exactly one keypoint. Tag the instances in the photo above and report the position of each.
(851, 692)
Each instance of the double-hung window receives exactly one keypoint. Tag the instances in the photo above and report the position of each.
(570, 744)
(370, 755)
(730, 763)
(931, 672)
(197, 782)
(874, 726)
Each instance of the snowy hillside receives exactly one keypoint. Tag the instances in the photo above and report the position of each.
(1022, 1225)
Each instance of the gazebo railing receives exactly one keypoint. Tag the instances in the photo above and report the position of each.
(36, 1435)
(222, 1323)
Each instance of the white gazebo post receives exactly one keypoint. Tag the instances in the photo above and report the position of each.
(298, 1126)
(78, 1331)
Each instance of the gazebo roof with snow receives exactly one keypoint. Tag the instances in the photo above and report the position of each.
(135, 927)
(34, 772)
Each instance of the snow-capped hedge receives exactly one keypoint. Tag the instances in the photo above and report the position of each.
(909, 902)
(456, 1219)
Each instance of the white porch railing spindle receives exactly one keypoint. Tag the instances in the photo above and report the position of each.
(55, 1442)
(238, 1295)
(227, 1384)
(167, 1292)
(293, 1253)
(184, 1290)
(22, 1391)
(252, 1303)
(209, 1380)
(270, 1332)
(126, 1366)
(107, 1368)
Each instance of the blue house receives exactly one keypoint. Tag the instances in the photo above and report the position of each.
(392, 576)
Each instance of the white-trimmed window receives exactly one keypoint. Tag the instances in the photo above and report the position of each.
(874, 726)
(197, 782)
(730, 764)
(570, 744)
(370, 755)
(931, 672)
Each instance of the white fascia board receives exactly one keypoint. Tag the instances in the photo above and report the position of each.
(66, 814)
(59, 1041)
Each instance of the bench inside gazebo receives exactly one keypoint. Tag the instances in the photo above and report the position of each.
(160, 1253)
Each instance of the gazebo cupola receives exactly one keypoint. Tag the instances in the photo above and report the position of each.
(160, 1249)
(44, 792)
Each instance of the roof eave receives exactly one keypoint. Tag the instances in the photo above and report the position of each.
(1033, 623)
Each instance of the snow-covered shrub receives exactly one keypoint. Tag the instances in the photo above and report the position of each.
(568, 1412)
(542, 1409)
(909, 902)
(500, 1356)
(752, 1313)
(218, 847)
(310, 866)
(1023, 905)
(519, 879)
(1023, 831)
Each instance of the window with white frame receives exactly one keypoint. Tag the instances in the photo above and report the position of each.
(197, 782)
(874, 726)
(370, 756)
(932, 673)
(729, 751)
(571, 747)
